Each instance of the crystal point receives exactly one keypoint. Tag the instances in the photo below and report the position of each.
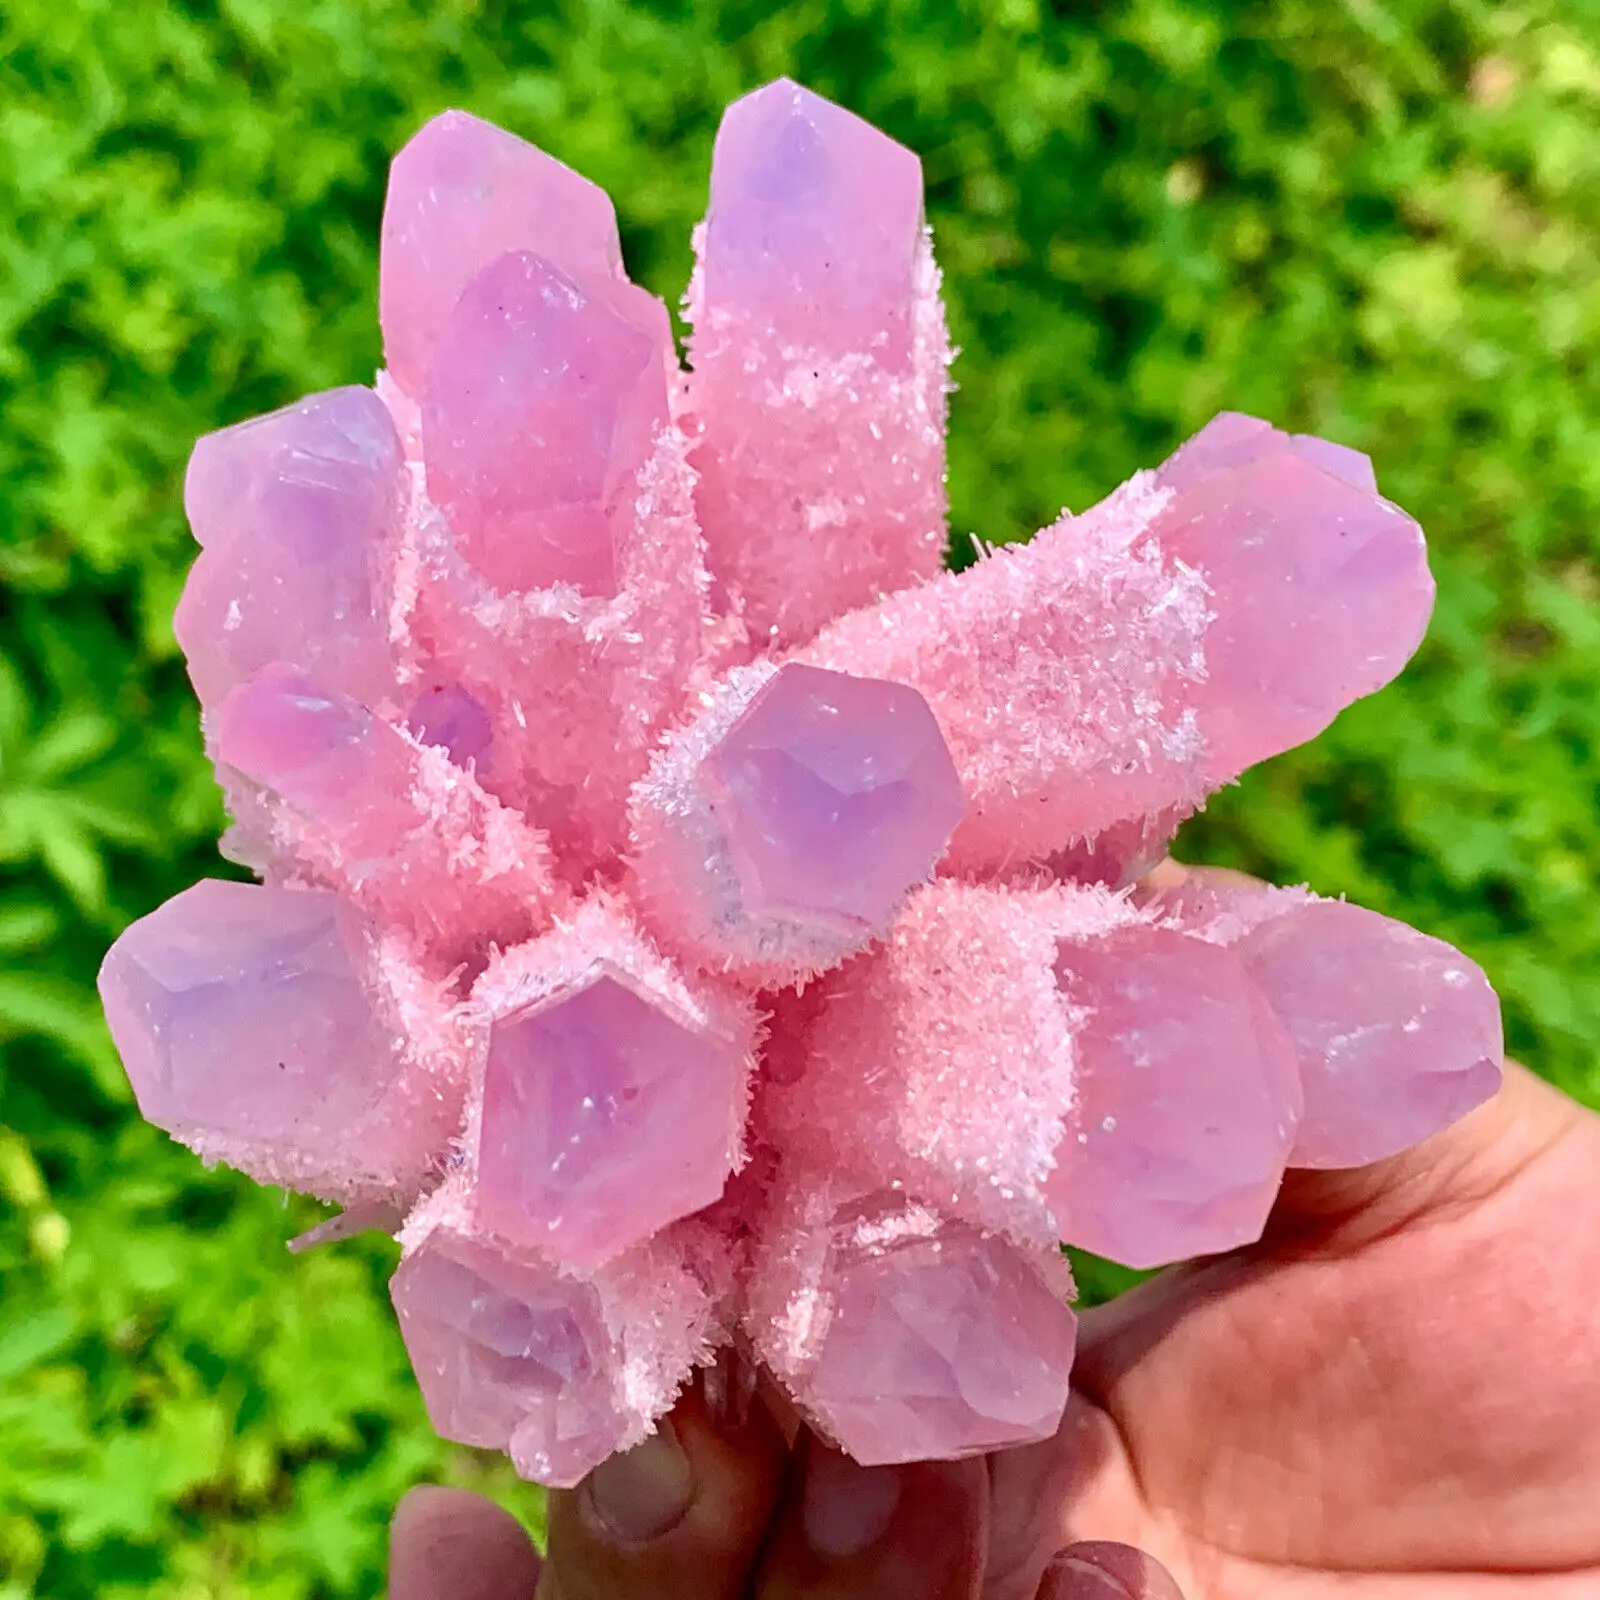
(248, 1030)
(820, 360)
(814, 223)
(296, 512)
(1232, 439)
(1321, 592)
(1398, 1034)
(462, 194)
(915, 1337)
(509, 1353)
(540, 413)
(1188, 1101)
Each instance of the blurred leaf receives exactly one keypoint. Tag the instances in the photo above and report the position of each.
(1378, 222)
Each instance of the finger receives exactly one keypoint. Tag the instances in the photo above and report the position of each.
(846, 1532)
(680, 1517)
(1101, 1571)
(450, 1544)
(1330, 1218)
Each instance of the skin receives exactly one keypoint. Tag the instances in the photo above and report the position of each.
(1394, 1396)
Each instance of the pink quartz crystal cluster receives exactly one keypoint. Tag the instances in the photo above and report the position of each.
(704, 920)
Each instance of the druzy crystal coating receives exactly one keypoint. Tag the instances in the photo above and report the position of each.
(704, 920)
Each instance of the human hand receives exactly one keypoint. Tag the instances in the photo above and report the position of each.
(713, 1511)
(1394, 1396)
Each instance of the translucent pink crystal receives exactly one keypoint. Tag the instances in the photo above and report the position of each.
(1321, 591)
(785, 824)
(324, 753)
(1398, 1035)
(904, 1336)
(297, 511)
(612, 1096)
(554, 575)
(837, 795)
(542, 407)
(819, 355)
(462, 194)
(1187, 1104)
(247, 1024)
(560, 1369)
(506, 1349)
(1232, 439)
(1128, 661)
(814, 224)
(408, 837)
(593, 1125)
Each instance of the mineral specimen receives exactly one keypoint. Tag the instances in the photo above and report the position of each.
(701, 919)
(817, 395)
(907, 1333)
(782, 826)
(297, 512)
(264, 1027)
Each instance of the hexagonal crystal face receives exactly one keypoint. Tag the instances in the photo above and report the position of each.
(239, 1013)
(942, 1341)
(836, 795)
(505, 1347)
(605, 1117)
(1188, 1099)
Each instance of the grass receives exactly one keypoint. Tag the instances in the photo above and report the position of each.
(1373, 221)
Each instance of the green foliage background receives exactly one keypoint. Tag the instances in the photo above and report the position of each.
(1374, 220)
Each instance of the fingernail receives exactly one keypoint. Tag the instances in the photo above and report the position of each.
(1102, 1570)
(1083, 1580)
(846, 1507)
(644, 1492)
